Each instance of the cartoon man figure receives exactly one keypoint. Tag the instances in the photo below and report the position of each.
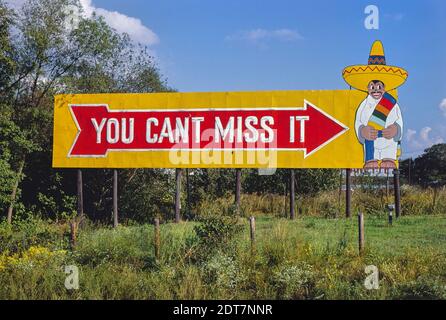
(378, 124)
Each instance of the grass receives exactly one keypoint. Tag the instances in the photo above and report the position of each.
(410, 232)
(311, 257)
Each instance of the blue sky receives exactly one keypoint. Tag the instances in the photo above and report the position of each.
(270, 45)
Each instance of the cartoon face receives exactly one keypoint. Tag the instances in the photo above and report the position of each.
(376, 89)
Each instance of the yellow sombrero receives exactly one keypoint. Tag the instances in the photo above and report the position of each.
(359, 76)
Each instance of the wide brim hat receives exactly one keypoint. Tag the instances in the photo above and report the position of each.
(359, 76)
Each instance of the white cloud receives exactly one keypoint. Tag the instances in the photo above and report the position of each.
(424, 134)
(137, 31)
(417, 142)
(258, 36)
(122, 23)
(411, 134)
(442, 107)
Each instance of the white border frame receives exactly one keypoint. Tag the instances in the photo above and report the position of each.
(306, 103)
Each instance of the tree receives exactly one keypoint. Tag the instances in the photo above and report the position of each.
(47, 55)
(429, 169)
(7, 64)
(308, 181)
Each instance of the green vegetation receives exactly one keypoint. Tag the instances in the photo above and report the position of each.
(43, 53)
(312, 257)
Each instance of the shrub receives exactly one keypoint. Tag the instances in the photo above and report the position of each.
(293, 281)
(23, 234)
(222, 272)
(213, 233)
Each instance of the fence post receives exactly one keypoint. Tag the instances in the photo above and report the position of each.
(361, 231)
(178, 173)
(292, 195)
(238, 188)
(157, 239)
(396, 189)
(252, 227)
(348, 192)
(115, 198)
(73, 234)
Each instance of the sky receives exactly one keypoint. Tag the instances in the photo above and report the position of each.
(229, 45)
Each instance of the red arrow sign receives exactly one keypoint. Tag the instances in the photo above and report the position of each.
(101, 130)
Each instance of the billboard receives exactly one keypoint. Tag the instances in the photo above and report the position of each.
(260, 129)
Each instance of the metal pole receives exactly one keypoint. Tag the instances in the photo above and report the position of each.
(348, 192)
(292, 195)
(115, 198)
(178, 173)
(396, 189)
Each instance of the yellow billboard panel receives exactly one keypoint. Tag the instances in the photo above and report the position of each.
(262, 129)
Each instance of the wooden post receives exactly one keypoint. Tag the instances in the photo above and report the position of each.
(115, 198)
(252, 227)
(80, 195)
(340, 189)
(188, 207)
(73, 234)
(178, 173)
(238, 188)
(348, 192)
(396, 189)
(157, 239)
(292, 195)
(361, 231)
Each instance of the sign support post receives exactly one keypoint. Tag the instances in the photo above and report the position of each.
(115, 198)
(178, 173)
(238, 187)
(188, 207)
(292, 195)
(80, 196)
(396, 188)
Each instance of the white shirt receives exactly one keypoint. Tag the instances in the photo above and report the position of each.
(363, 115)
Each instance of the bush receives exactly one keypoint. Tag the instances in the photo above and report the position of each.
(23, 234)
(222, 273)
(213, 233)
(293, 281)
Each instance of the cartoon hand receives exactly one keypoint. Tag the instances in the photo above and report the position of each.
(390, 132)
(369, 133)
